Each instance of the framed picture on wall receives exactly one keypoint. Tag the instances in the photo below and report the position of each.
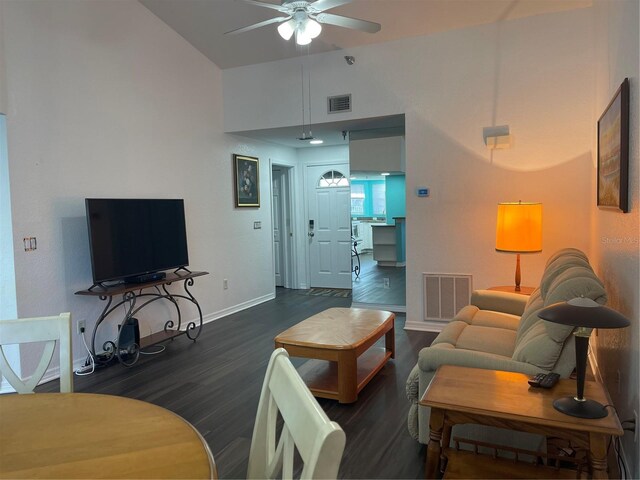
(613, 152)
(247, 181)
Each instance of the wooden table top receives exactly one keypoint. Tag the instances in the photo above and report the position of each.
(508, 396)
(337, 328)
(512, 289)
(80, 435)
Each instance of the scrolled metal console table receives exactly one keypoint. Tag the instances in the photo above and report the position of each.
(131, 293)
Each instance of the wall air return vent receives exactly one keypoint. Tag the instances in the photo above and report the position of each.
(445, 294)
(339, 103)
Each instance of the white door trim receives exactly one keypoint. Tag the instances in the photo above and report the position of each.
(289, 250)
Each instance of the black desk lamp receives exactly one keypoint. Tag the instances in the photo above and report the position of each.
(585, 314)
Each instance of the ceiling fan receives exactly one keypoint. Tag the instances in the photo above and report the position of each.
(303, 18)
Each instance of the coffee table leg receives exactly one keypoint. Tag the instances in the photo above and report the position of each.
(390, 341)
(436, 425)
(347, 376)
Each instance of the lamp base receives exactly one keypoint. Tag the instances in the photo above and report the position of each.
(584, 409)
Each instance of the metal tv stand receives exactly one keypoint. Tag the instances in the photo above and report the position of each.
(131, 293)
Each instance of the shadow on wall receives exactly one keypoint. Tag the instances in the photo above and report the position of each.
(456, 225)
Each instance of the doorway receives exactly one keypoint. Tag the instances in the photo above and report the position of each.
(282, 222)
(378, 222)
(329, 226)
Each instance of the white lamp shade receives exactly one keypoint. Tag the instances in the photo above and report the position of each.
(286, 29)
(302, 38)
(312, 28)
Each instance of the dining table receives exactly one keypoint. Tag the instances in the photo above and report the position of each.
(88, 435)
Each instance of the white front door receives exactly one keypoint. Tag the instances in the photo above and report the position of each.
(329, 226)
(276, 189)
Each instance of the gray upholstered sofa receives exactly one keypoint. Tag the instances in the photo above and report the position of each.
(502, 331)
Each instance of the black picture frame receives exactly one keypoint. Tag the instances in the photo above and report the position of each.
(247, 181)
(613, 152)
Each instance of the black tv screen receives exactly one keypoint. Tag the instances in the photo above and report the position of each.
(131, 237)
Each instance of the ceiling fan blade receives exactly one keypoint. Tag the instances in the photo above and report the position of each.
(266, 5)
(348, 22)
(322, 5)
(257, 25)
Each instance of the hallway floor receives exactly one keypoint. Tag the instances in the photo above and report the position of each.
(370, 286)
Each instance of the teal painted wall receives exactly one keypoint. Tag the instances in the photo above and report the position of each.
(395, 193)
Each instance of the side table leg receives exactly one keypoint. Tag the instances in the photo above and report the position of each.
(598, 455)
(347, 376)
(436, 425)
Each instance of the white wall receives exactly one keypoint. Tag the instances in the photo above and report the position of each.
(3, 86)
(106, 101)
(615, 241)
(534, 74)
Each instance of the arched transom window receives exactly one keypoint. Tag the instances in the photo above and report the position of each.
(333, 178)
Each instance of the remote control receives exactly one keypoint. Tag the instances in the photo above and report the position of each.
(544, 380)
(549, 380)
(535, 380)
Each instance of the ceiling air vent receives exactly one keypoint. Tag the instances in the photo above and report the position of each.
(339, 103)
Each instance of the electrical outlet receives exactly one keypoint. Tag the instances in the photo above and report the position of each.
(385, 282)
(81, 326)
(225, 284)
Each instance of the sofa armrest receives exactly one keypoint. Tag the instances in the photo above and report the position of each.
(431, 358)
(497, 301)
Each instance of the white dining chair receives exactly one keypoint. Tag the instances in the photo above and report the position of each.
(318, 440)
(52, 330)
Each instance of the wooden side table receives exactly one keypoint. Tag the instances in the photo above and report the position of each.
(512, 289)
(504, 399)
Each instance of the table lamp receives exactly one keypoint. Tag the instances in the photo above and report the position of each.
(585, 314)
(519, 230)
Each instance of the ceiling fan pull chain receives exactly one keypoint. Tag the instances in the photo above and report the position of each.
(302, 83)
(309, 91)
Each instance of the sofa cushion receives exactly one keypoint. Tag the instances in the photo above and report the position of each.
(450, 333)
(575, 281)
(538, 348)
(558, 263)
(488, 318)
(530, 316)
(499, 341)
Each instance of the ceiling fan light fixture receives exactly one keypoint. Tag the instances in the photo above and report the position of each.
(312, 28)
(302, 38)
(286, 29)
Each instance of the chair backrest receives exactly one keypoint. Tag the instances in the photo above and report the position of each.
(41, 329)
(319, 441)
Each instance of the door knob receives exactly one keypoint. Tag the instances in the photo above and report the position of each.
(311, 234)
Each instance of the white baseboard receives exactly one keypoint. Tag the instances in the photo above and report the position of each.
(424, 326)
(237, 308)
(380, 306)
(54, 372)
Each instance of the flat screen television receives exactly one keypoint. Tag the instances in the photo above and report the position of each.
(130, 238)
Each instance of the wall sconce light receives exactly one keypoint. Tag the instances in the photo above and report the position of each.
(497, 137)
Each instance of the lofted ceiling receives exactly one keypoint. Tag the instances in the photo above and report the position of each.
(204, 22)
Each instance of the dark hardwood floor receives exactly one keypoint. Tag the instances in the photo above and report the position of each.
(369, 287)
(215, 384)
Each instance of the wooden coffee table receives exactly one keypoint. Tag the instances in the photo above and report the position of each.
(340, 342)
(504, 399)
